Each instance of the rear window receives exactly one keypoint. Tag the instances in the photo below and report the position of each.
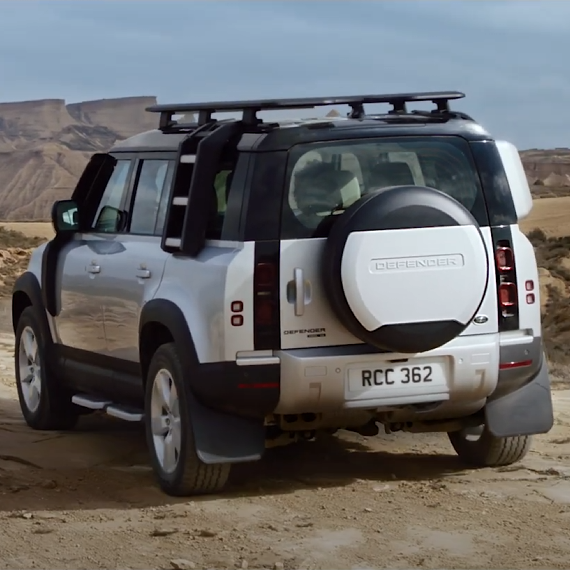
(326, 178)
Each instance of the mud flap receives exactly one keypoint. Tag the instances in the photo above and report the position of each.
(526, 411)
(225, 438)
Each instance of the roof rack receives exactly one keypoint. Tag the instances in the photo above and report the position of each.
(249, 109)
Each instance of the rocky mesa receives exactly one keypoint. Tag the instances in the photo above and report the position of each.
(45, 144)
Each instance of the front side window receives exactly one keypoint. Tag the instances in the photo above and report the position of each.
(109, 216)
(326, 178)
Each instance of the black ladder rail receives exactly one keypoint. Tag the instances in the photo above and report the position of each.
(208, 157)
(177, 189)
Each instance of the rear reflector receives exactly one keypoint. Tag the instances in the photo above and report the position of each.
(530, 298)
(510, 365)
(529, 285)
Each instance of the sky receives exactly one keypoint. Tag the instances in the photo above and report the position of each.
(511, 58)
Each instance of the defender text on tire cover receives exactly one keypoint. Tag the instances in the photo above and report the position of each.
(406, 268)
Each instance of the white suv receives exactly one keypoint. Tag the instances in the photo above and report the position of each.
(238, 284)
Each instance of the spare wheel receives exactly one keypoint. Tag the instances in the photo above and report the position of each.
(405, 268)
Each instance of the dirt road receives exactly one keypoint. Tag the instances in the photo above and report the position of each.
(87, 499)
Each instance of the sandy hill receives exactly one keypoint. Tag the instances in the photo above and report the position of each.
(45, 144)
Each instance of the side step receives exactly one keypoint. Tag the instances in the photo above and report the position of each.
(125, 413)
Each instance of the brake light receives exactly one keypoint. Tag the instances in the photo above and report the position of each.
(504, 258)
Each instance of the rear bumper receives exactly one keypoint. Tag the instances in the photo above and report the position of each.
(314, 379)
(494, 371)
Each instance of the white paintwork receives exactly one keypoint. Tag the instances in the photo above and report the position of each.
(314, 380)
(79, 322)
(488, 308)
(527, 270)
(123, 292)
(516, 177)
(180, 201)
(239, 287)
(414, 275)
(188, 159)
(306, 254)
(203, 288)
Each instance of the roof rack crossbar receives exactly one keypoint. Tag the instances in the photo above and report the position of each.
(250, 108)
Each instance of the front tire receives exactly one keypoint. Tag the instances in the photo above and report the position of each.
(169, 431)
(44, 402)
(480, 448)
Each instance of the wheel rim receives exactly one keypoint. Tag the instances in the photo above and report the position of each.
(165, 421)
(29, 365)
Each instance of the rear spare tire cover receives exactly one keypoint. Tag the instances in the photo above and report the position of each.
(405, 268)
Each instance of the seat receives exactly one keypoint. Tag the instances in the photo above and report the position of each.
(387, 174)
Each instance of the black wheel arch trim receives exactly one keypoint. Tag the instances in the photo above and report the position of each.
(28, 284)
(227, 421)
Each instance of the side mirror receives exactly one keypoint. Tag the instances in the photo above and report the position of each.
(65, 216)
(110, 220)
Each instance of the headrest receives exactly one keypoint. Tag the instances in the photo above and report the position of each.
(387, 174)
(328, 186)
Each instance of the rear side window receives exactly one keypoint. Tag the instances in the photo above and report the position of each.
(326, 178)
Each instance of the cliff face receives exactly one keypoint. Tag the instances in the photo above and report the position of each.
(548, 171)
(44, 146)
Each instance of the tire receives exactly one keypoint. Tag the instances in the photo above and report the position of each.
(373, 267)
(45, 404)
(488, 450)
(184, 473)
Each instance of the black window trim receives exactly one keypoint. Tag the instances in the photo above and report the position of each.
(97, 191)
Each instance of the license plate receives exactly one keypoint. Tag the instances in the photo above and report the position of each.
(417, 375)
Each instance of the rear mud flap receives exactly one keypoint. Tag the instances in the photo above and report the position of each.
(224, 438)
(526, 411)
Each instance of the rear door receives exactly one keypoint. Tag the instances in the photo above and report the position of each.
(326, 178)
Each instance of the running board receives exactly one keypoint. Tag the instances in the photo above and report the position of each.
(125, 413)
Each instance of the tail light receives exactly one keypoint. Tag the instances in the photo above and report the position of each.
(266, 329)
(504, 258)
(507, 295)
(507, 291)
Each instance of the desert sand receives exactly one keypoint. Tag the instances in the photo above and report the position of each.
(87, 498)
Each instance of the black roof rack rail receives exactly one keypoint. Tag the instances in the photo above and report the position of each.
(250, 108)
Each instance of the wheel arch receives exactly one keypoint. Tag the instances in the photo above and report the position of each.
(162, 321)
(27, 293)
(165, 319)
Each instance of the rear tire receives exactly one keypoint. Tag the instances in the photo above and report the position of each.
(45, 404)
(488, 450)
(169, 432)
